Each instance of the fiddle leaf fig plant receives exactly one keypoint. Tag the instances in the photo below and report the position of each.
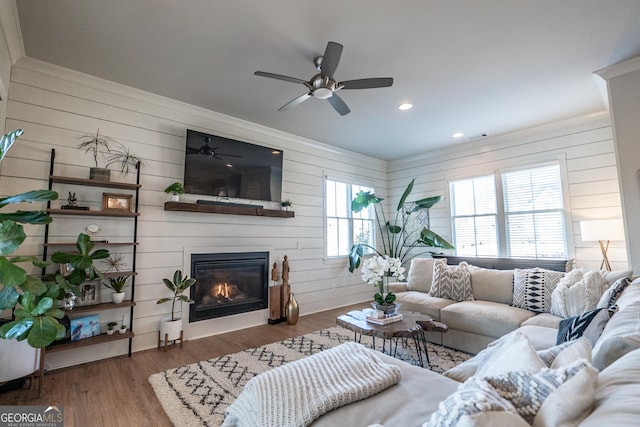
(396, 242)
(177, 286)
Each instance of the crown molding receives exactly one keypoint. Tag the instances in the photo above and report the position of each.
(10, 27)
(620, 69)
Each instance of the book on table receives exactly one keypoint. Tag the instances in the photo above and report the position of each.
(384, 320)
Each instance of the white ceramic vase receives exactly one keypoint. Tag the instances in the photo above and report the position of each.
(170, 328)
(117, 297)
(175, 197)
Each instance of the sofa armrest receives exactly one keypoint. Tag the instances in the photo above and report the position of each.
(398, 287)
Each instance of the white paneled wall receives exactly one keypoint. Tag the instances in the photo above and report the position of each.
(585, 149)
(56, 106)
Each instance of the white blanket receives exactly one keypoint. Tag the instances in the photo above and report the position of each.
(297, 393)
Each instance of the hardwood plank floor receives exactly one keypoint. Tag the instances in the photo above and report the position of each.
(116, 391)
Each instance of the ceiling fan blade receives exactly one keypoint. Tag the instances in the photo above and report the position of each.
(331, 58)
(368, 83)
(299, 100)
(339, 104)
(280, 77)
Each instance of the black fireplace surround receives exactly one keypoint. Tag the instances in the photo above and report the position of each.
(228, 283)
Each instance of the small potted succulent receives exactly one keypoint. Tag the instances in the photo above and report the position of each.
(117, 284)
(123, 328)
(175, 189)
(286, 204)
(111, 327)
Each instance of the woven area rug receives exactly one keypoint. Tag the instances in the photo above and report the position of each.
(198, 394)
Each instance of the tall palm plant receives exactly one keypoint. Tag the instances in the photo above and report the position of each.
(396, 242)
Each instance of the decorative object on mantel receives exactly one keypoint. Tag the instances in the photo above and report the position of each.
(171, 327)
(396, 242)
(117, 154)
(275, 298)
(286, 204)
(175, 189)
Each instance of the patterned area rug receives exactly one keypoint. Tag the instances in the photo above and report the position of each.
(198, 394)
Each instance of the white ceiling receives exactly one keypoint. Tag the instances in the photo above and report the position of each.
(490, 66)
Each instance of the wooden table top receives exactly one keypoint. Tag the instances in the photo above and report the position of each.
(406, 328)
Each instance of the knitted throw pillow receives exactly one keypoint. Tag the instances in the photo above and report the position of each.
(451, 282)
(577, 292)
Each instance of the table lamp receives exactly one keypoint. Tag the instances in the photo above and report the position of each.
(602, 231)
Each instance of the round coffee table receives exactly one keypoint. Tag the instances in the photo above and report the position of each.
(412, 326)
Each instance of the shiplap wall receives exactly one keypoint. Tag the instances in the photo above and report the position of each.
(585, 148)
(56, 106)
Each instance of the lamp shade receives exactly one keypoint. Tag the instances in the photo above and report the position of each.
(601, 229)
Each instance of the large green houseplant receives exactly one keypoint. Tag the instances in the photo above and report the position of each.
(171, 327)
(35, 299)
(396, 242)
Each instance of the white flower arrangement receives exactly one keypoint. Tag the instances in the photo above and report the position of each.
(377, 267)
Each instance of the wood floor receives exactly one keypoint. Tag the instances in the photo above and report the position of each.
(116, 392)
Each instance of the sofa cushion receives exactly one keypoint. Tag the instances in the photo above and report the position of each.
(492, 285)
(423, 303)
(630, 295)
(483, 317)
(532, 288)
(617, 394)
(539, 398)
(420, 274)
(451, 282)
(547, 320)
(577, 292)
(514, 353)
(620, 336)
(590, 325)
(611, 295)
(612, 277)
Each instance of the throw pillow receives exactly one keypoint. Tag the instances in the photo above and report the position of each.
(492, 285)
(512, 354)
(420, 274)
(620, 336)
(566, 353)
(611, 295)
(577, 292)
(532, 288)
(451, 282)
(535, 397)
(590, 325)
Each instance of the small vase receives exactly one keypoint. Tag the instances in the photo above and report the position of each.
(175, 197)
(292, 311)
(117, 297)
(110, 331)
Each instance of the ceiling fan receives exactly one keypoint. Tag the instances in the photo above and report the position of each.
(207, 150)
(323, 85)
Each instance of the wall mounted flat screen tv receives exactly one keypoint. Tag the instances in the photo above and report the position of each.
(224, 167)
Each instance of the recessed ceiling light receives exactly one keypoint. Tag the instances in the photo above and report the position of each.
(405, 106)
(457, 135)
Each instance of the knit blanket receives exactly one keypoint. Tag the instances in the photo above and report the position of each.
(297, 393)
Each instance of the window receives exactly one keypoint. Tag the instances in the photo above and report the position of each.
(513, 214)
(345, 228)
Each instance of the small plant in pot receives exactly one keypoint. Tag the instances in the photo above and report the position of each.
(286, 204)
(171, 327)
(115, 152)
(111, 327)
(117, 284)
(175, 189)
(123, 328)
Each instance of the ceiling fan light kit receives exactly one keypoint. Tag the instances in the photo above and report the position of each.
(323, 85)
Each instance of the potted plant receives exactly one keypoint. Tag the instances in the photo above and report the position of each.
(123, 328)
(170, 327)
(117, 284)
(35, 300)
(286, 204)
(117, 154)
(175, 189)
(111, 328)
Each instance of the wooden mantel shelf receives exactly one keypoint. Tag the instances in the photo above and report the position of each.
(229, 210)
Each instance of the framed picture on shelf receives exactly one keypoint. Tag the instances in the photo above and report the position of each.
(89, 293)
(85, 327)
(117, 202)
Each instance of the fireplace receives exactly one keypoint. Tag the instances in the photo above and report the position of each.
(228, 283)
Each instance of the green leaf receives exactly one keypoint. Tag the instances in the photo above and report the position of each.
(169, 284)
(426, 203)
(27, 300)
(55, 313)
(355, 256)
(8, 298)
(393, 229)
(163, 300)
(76, 277)
(364, 199)
(43, 306)
(27, 217)
(43, 332)
(10, 274)
(16, 329)
(406, 193)
(185, 298)
(11, 236)
(30, 197)
(7, 141)
(34, 285)
(434, 240)
(390, 298)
